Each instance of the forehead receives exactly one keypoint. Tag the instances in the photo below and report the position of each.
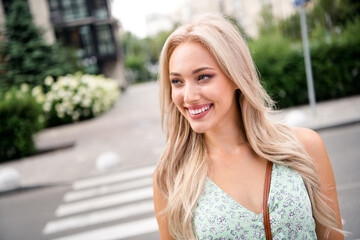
(190, 55)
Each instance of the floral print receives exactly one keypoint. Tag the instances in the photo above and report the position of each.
(218, 216)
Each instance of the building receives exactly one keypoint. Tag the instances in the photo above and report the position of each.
(246, 12)
(156, 23)
(86, 25)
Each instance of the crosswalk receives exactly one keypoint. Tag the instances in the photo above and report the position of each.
(111, 207)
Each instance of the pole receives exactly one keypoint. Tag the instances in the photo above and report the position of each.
(309, 75)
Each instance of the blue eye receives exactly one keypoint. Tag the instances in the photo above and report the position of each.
(204, 77)
(175, 81)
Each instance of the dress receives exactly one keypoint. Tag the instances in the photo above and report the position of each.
(219, 216)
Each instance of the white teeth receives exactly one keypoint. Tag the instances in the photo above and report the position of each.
(198, 111)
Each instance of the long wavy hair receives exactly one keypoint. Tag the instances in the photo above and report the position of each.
(182, 169)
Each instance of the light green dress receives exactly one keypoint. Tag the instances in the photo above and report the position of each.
(218, 216)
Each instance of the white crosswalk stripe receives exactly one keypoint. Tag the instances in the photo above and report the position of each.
(116, 232)
(99, 208)
(105, 201)
(102, 190)
(99, 217)
(117, 177)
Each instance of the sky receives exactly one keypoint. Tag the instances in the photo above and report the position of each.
(132, 13)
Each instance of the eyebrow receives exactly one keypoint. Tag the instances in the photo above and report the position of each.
(193, 72)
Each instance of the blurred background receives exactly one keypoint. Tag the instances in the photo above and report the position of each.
(80, 127)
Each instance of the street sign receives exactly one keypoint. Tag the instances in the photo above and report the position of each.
(299, 3)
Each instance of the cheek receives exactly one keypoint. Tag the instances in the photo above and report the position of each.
(177, 99)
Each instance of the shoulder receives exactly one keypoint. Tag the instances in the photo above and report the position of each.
(159, 199)
(308, 137)
(313, 144)
(160, 204)
(315, 147)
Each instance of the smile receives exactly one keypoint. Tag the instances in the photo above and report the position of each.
(198, 111)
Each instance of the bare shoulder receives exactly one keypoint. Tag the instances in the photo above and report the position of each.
(160, 203)
(308, 137)
(159, 199)
(313, 145)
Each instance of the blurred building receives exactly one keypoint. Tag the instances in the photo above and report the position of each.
(156, 23)
(246, 12)
(86, 25)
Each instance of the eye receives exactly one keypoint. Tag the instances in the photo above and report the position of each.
(175, 81)
(204, 76)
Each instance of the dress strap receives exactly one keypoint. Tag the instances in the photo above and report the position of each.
(265, 200)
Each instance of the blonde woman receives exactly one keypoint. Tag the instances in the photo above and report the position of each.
(209, 181)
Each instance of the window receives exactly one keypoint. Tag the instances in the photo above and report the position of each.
(86, 40)
(74, 9)
(100, 9)
(105, 41)
(54, 5)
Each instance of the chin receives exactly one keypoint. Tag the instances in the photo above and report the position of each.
(198, 129)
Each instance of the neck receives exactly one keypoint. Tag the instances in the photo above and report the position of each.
(226, 139)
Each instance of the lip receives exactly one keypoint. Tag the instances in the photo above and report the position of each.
(196, 107)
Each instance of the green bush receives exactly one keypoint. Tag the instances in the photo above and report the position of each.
(76, 97)
(335, 66)
(21, 117)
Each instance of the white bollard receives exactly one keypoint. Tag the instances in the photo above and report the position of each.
(107, 160)
(9, 179)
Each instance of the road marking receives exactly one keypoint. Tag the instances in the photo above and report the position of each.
(107, 189)
(116, 232)
(106, 201)
(99, 217)
(348, 186)
(113, 178)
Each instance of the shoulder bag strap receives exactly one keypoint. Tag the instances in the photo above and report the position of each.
(265, 200)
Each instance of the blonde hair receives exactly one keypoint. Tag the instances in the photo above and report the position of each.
(182, 169)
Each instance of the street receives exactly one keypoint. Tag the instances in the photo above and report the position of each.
(26, 215)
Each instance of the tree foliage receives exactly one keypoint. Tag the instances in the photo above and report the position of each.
(142, 55)
(26, 56)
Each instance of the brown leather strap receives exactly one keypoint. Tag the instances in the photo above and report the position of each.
(265, 200)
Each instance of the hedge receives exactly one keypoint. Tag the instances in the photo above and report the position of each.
(20, 116)
(335, 66)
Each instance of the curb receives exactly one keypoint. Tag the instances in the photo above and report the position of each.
(336, 125)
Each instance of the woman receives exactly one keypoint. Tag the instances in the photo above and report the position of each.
(209, 181)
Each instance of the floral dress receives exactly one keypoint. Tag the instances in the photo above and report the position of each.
(219, 216)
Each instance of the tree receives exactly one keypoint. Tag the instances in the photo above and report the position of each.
(27, 58)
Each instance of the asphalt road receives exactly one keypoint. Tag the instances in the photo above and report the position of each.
(24, 214)
(343, 146)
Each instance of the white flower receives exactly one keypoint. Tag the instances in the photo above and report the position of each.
(86, 102)
(24, 88)
(47, 106)
(60, 114)
(49, 80)
(40, 98)
(76, 99)
(36, 91)
(76, 115)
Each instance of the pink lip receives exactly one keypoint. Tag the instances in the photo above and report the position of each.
(195, 107)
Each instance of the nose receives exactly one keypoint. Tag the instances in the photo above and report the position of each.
(191, 93)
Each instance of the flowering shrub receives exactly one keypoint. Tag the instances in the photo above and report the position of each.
(76, 97)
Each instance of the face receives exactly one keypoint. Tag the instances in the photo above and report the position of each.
(200, 90)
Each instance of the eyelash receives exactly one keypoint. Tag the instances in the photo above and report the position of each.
(176, 81)
(205, 75)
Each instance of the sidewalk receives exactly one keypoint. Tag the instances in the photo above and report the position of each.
(132, 131)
